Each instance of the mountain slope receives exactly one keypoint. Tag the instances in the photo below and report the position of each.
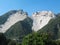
(19, 24)
(19, 29)
(18, 16)
(6, 16)
(53, 28)
(40, 19)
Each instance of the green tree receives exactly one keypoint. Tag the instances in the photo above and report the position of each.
(36, 39)
(39, 39)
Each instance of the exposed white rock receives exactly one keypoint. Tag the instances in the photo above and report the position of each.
(40, 19)
(18, 16)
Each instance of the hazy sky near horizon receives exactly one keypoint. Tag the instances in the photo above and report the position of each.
(29, 6)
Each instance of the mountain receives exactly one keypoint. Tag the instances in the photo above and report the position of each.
(6, 16)
(40, 19)
(17, 24)
(19, 30)
(14, 18)
(53, 27)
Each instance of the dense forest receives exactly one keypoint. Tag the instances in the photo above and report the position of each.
(31, 39)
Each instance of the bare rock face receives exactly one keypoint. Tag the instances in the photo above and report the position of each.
(40, 19)
(14, 18)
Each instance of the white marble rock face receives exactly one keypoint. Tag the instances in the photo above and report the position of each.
(14, 18)
(40, 19)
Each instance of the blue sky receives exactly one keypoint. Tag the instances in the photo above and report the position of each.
(29, 6)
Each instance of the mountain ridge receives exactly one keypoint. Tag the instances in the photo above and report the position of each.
(40, 19)
(21, 24)
(14, 18)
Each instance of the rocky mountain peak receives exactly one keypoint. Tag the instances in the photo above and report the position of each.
(20, 15)
(43, 13)
(22, 12)
(40, 19)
